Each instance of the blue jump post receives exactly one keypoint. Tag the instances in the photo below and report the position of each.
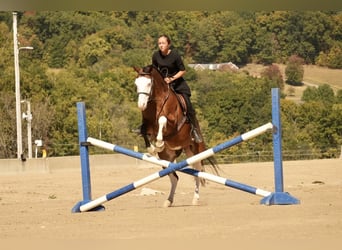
(84, 156)
(278, 197)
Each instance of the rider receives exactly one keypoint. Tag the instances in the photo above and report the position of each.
(171, 65)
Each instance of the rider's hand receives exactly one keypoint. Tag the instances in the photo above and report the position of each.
(168, 79)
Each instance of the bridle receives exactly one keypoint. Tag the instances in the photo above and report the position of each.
(152, 83)
(146, 93)
(164, 100)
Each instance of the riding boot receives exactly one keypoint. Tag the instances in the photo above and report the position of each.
(195, 129)
(191, 115)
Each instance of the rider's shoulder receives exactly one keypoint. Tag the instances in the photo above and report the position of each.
(174, 52)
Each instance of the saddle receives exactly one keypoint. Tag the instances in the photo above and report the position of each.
(182, 103)
(184, 108)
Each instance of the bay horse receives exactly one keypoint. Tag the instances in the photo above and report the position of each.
(165, 130)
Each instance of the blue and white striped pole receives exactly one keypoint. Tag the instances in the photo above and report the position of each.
(226, 182)
(170, 167)
(125, 151)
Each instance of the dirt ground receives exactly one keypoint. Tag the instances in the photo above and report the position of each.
(36, 205)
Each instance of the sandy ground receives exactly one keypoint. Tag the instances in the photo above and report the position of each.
(36, 205)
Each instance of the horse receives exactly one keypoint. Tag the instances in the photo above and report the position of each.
(166, 130)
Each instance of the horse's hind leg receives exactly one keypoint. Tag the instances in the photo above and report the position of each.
(198, 166)
(174, 181)
(170, 155)
(195, 199)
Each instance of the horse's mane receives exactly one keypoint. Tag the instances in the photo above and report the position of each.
(148, 69)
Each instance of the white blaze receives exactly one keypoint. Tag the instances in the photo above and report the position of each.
(144, 85)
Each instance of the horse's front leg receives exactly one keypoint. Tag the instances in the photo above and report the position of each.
(160, 141)
(174, 180)
(150, 148)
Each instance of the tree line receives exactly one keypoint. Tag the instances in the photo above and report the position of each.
(88, 56)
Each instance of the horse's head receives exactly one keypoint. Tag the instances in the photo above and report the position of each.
(143, 83)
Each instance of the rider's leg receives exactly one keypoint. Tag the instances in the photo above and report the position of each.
(191, 114)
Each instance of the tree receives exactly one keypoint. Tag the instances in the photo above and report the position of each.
(331, 59)
(7, 131)
(205, 42)
(323, 93)
(273, 73)
(232, 103)
(294, 70)
(92, 50)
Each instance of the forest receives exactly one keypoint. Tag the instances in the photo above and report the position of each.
(89, 56)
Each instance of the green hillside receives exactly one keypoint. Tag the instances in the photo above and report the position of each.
(88, 56)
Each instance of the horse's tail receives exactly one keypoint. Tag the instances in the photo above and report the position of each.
(211, 159)
(213, 163)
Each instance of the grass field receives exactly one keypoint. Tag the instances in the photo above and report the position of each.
(313, 76)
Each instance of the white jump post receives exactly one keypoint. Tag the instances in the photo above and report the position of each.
(278, 197)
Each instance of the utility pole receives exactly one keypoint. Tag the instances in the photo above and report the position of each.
(17, 87)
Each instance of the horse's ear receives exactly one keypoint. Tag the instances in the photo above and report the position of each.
(137, 69)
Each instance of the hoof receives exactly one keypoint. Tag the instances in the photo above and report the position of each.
(159, 146)
(195, 202)
(151, 150)
(167, 203)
